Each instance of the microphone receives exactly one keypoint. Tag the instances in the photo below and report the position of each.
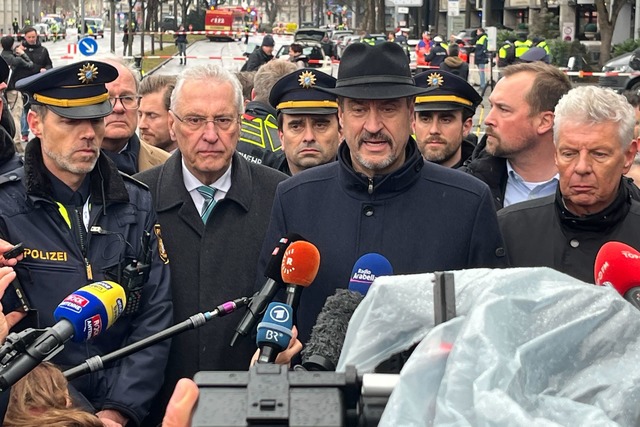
(97, 363)
(366, 269)
(299, 268)
(274, 332)
(267, 293)
(327, 335)
(322, 352)
(618, 266)
(81, 316)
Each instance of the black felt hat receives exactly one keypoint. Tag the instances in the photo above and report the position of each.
(449, 92)
(74, 91)
(375, 72)
(297, 93)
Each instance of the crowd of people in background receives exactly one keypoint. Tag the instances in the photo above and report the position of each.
(202, 173)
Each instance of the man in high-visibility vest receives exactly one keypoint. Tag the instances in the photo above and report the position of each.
(481, 57)
(521, 45)
(507, 53)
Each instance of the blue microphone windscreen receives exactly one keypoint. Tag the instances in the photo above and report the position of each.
(276, 325)
(366, 269)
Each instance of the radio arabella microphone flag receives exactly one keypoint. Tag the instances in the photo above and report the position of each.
(81, 316)
(366, 269)
(618, 266)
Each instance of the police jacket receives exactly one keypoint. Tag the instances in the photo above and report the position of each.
(119, 211)
(543, 233)
(422, 217)
(259, 140)
(506, 54)
(490, 169)
(436, 55)
(16, 62)
(521, 47)
(39, 56)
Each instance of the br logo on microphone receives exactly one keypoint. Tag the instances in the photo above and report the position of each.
(279, 314)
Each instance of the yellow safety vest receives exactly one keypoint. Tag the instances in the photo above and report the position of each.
(521, 48)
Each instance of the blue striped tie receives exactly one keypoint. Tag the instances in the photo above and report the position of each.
(209, 202)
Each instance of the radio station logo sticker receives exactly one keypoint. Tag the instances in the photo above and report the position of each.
(279, 314)
(75, 303)
(93, 326)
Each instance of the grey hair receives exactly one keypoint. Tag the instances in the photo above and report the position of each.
(209, 73)
(591, 105)
(112, 60)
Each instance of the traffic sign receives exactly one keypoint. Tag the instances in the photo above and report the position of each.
(88, 46)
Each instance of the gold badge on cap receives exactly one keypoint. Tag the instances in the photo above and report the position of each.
(307, 79)
(435, 80)
(88, 73)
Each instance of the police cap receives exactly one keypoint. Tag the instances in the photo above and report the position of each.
(297, 93)
(74, 91)
(450, 92)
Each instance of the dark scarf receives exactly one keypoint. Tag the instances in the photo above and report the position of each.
(127, 160)
(600, 221)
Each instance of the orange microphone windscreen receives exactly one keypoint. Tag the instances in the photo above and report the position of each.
(300, 263)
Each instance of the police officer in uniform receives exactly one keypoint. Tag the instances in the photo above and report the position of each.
(507, 53)
(307, 119)
(438, 52)
(444, 117)
(82, 221)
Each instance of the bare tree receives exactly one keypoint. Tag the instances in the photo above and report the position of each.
(604, 8)
(271, 7)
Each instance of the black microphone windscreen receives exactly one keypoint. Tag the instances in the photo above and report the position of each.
(328, 334)
(273, 270)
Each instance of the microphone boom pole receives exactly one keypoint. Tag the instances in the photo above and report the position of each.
(97, 363)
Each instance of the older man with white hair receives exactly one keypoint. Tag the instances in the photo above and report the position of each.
(594, 202)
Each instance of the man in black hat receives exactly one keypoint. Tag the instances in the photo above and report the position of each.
(260, 56)
(381, 196)
(81, 221)
(444, 117)
(307, 119)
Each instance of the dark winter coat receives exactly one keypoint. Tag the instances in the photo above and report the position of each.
(489, 169)
(422, 218)
(212, 264)
(39, 56)
(256, 59)
(543, 233)
(455, 65)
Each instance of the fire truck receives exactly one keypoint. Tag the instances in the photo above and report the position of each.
(225, 23)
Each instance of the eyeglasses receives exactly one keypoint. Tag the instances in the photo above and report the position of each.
(199, 122)
(129, 102)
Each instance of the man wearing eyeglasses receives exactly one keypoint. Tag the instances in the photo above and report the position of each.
(121, 143)
(213, 206)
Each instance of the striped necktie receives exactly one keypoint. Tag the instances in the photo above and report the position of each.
(209, 202)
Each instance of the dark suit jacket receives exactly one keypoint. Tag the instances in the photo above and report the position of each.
(213, 264)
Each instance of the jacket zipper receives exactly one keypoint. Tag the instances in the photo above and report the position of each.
(82, 238)
(370, 188)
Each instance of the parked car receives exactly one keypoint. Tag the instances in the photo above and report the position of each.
(96, 25)
(43, 32)
(312, 50)
(618, 83)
